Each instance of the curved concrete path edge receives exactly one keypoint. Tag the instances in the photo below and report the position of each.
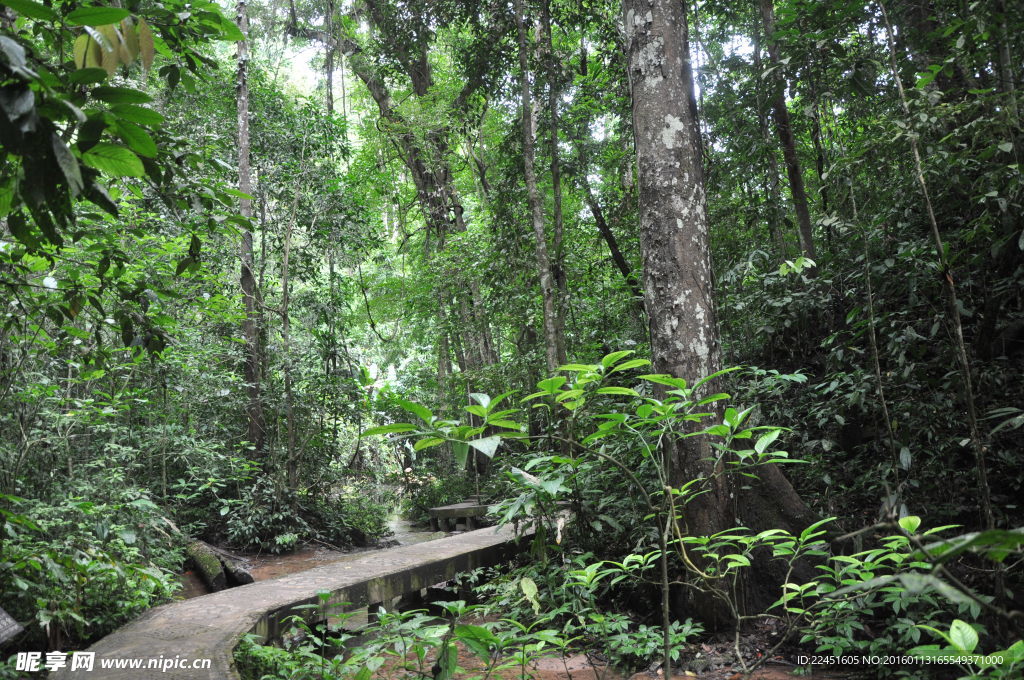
(211, 626)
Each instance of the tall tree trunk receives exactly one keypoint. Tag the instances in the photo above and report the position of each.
(551, 67)
(553, 343)
(256, 428)
(678, 279)
(292, 453)
(771, 180)
(785, 131)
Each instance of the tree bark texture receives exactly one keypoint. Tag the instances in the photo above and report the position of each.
(678, 281)
(256, 428)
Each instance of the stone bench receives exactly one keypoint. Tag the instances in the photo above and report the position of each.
(447, 517)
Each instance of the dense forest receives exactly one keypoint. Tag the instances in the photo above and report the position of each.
(724, 299)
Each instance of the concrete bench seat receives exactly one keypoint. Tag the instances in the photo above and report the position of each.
(447, 517)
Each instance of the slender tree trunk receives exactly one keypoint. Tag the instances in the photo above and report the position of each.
(329, 60)
(609, 238)
(551, 67)
(771, 183)
(1006, 73)
(256, 428)
(553, 343)
(292, 454)
(786, 140)
(332, 356)
(678, 284)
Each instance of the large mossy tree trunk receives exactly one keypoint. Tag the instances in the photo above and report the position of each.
(678, 288)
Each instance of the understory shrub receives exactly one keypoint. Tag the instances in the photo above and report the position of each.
(76, 569)
(266, 518)
(357, 515)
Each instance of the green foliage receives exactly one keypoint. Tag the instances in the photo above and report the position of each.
(408, 642)
(121, 363)
(635, 648)
(265, 518)
(77, 569)
(961, 648)
(357, 515)
(50, 101)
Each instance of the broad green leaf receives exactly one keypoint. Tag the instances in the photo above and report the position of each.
(498, 399)
(86, 76)
(427, 443)
(963, 636)
(995, 544)
(618, 390)
(578, 368)
(460, 450)
(665, 379)
(812, 531)
(487, 445)
(140, 115)
(508, 424)
(68, 164)
(120, 95)
(765, 440)
(610, 359)
(87, 54)
(31, 9)
(97, 16)
(480, 398)
(113, 160)
(136, 138)
(389, 429)
(551, 385)
(738, 560)
(910, 523)
(529, 589)
(230, 31)
(714, 375)
(239, 194)
(422, 412)
(632, 363)
(477, 638)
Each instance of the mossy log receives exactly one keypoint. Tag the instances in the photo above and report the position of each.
(238, 575)
(208, 565)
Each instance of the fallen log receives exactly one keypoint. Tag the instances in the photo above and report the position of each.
(238, 575)
(208, 565)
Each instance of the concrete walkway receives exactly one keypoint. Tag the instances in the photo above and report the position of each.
(179, 634)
